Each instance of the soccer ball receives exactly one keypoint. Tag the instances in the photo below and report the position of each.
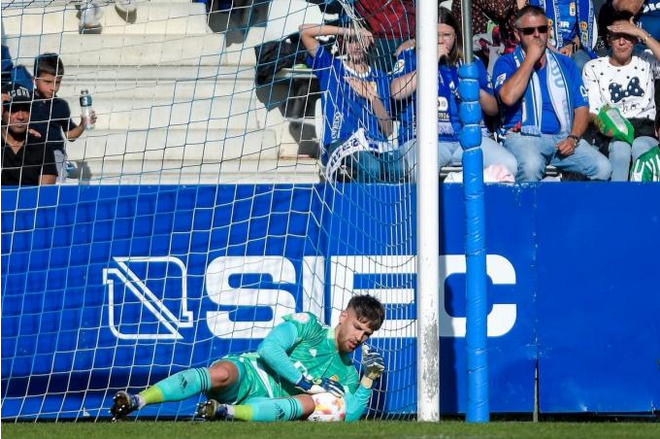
(329, 408)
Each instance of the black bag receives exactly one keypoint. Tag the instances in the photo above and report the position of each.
(643, 127)
(274, 56)
(333, 7)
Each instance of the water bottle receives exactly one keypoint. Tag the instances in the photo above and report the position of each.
(71, 170)
(86, 108)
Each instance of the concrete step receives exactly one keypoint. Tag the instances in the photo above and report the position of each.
(147, 81)
(158, 112)
(150, 18)
(187, 143)
(239, 112)
(168, 116)
(142, 114)
(120, 51)
(123, 49)
(242, 53)
(110, 171)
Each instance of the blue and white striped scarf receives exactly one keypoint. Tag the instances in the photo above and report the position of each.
(558, 89)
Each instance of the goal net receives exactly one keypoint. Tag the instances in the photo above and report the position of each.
(200, 209)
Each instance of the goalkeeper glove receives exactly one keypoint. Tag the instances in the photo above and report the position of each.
(320, 385)
(373, 363)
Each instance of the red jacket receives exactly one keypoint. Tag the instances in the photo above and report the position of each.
(388, 18)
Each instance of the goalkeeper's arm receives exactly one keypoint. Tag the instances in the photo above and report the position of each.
(357, 401)
(273, 350)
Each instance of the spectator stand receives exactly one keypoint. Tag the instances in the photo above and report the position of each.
(176, 102)
(293, 86)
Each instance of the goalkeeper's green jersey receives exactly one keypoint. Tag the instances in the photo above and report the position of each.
(300, 345)
(314, 354)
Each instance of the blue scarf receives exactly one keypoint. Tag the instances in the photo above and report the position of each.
(585, 22)
(558, 89)
(447, 105)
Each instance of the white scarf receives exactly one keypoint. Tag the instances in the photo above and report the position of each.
(558, 89)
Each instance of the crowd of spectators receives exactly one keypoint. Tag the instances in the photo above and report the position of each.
(553, 91)
(569, 77)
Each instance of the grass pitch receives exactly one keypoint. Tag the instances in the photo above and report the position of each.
(308, 430)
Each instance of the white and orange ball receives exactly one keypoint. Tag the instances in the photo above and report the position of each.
(328, 408)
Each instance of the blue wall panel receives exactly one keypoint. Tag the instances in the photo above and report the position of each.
(511, 356)
(599, 298)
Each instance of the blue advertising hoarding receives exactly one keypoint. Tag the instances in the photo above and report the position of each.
(599, 298)
(110, 287)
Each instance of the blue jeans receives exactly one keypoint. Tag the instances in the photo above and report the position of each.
(370, 167)
(451, 153)
(534, 153)
(621, 153)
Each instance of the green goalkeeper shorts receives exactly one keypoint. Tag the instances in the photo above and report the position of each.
(252, 382)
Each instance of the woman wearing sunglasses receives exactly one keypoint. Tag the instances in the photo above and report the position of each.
(544, 105)
(626, 81)
(403, 89)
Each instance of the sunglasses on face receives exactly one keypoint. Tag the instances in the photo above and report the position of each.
(618, 36)
(530, 30)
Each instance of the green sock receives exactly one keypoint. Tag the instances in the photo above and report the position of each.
(281, 409)
(181, 385)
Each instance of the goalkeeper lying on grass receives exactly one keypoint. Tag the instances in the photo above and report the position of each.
(294, 369)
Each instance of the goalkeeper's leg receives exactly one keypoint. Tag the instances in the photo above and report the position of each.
(182, 385)
(259, 409)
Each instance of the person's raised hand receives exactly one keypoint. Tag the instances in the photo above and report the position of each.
(535, 49)
(443, 51)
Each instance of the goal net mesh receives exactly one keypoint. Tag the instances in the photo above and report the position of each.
(199, 210)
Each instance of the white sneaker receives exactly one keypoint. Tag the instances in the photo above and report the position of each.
(90, 16)
(125, 6)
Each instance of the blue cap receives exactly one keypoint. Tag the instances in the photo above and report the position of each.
(17, 95)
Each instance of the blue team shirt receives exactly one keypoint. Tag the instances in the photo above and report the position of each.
(406, 63)
(649, 17)
(344, 110)
(505, 67)
(566, 18)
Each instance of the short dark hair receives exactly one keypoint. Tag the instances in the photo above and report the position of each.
(48, 63)
(534, 11)
(369, 308)
(615, 15)
(612, 17)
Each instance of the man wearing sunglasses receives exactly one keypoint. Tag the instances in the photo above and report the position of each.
(544, 105)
